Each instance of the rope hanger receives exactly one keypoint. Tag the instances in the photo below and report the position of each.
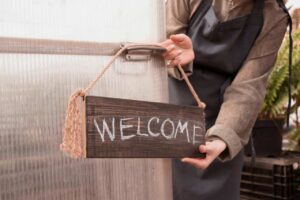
(73, 141)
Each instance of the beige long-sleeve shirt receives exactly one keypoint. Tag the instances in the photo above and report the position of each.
(243, 98)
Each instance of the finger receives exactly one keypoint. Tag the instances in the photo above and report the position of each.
(178, 38)
(182, 41)
(202, 149)
(197, 162)
(173, 54)
(169, 48)
(166, 43)
(169, 63)
(174, 63)
(209, 146)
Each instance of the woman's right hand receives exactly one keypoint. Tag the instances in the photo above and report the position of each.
(179, 50)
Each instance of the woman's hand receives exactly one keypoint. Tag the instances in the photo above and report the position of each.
(179, 50)
(212, 149)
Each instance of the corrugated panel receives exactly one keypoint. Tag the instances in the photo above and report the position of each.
(92, 20)
(35, 88)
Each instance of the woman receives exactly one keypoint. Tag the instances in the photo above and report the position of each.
(235, 47)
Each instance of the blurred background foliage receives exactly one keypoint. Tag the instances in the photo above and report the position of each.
(276, 99)
(275, 103)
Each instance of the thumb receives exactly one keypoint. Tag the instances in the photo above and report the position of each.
(178, 38)
(181, 40)
(202, 149)
(209, 146)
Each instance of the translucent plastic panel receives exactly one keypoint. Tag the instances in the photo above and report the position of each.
(34, 90)
(92, 20)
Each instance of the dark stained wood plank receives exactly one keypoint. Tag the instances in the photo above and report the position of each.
(118, 128)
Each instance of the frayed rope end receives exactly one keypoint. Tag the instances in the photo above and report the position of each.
(72, 143)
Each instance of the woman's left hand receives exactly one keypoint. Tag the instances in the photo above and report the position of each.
(179, 50)
(212, 149)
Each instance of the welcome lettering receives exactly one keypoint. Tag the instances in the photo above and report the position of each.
(129, 127)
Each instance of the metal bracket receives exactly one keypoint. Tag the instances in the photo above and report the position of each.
(143, 52)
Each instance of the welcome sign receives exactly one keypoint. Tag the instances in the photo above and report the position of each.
(118, 128)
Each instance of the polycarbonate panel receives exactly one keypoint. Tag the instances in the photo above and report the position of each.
(34, 90)
(91, 20)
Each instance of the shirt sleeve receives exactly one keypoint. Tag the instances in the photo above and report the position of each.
(178, 14)
(243, 98)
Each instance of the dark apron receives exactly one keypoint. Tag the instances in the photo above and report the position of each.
(220, 50)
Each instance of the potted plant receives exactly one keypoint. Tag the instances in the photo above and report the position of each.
(268, 130)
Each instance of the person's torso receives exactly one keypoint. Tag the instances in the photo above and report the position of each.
(220, 49)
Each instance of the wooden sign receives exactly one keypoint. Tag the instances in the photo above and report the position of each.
(118, 128)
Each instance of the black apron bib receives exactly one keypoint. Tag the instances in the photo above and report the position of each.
(220, 50)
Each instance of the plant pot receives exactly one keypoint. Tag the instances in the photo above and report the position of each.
(267, 137)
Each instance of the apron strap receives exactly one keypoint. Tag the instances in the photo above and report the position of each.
(203, 7)
(258, 7)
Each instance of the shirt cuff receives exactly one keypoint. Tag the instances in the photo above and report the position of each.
(231, 139)
(175, 73)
